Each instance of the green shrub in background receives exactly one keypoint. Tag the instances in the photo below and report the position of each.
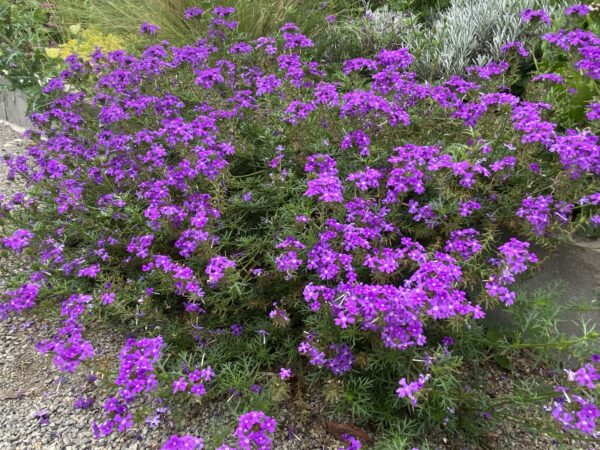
(572, 96)
(444, 43)
(24, 34)
(256, 17)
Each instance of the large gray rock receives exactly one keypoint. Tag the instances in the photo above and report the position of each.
(575, 270)
(577, 266)
(13, 105)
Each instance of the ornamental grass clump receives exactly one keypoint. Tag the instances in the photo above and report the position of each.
(242, 209)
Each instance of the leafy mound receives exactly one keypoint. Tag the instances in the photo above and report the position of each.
(256, 211)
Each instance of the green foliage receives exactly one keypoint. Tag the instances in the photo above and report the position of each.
(24, 33)
(256, 17)
(445, 37)
(572, 97)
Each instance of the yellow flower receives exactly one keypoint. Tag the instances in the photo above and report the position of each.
(52, 52)
(87, 41)
(75, 29)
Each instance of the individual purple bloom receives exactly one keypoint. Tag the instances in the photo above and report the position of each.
(186, 442)
(536, 210)
(247, 196)
(149, 28)
(447, 341)
(528, 15)
(351, 443)
(517, 46)
(263, 334)
(18, 240)
(285, 373)
(409, 390)
(579, 9)
(255, 430)
(593, 111)
(42, 416)
(192, 12)
(107, 298)
(198, 389)
(90, 271)
(83, 403)
(216, 268)
(331, 19)
(179, 385)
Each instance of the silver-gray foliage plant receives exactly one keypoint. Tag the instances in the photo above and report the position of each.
(467, 32)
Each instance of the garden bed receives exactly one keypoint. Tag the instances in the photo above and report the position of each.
(251, 242)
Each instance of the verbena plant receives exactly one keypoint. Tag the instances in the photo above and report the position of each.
(266, 226)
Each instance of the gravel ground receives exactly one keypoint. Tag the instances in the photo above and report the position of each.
(30, 387)
(36, 400)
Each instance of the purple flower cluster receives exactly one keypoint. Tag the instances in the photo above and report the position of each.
(216, 268)
(517, 46)
(529, 15)
(186, 442)
(464, 242)
(194, 381)
(20, 299)
(18, 240)
(536, 211)
(408, 390)
(254, 431)
(351, 443)
(192, 12)
(327, 185)
(339, 362)
(579, 412)
(578, 9)
(68, 345)
(136, 377)
(149, 28)
(515, 257)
